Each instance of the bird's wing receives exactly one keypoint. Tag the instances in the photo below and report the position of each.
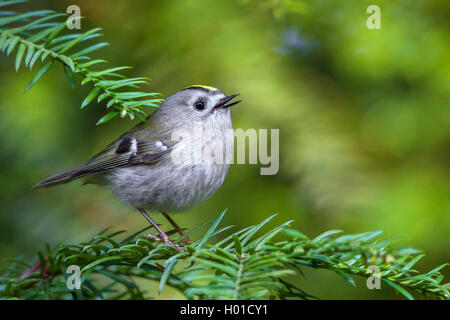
(128, 150)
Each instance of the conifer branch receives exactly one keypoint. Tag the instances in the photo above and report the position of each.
(42, 35)
(246, 264)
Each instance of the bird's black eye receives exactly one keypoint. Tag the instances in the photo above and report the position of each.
(199, 105)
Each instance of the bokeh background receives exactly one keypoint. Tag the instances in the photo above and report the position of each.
(364, 119)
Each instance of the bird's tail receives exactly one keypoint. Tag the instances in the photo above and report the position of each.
(60, 178)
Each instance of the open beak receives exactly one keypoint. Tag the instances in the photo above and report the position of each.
(224, 102)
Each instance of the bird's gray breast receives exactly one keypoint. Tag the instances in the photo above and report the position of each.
(173, 186)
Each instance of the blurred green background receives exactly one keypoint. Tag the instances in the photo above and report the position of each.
(364, 119)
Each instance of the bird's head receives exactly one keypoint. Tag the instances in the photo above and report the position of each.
(198, 103)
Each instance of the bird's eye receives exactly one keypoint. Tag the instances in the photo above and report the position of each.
(199, 105)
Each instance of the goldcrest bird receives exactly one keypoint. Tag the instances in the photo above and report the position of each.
(138, 166)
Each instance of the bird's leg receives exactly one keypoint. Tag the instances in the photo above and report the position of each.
(163, 237)
(179, 230)
(34, 268)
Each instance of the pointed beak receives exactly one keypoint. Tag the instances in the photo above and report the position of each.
(224, 102)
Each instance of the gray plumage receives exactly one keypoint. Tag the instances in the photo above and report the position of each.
(138, 166)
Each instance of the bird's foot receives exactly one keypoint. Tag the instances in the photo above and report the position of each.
(164, 239)
(187, 241)
(149, 236)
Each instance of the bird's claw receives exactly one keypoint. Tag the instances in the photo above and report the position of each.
(164, 240)
(187, 241)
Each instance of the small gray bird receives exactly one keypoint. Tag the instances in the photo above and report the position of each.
(139, 168)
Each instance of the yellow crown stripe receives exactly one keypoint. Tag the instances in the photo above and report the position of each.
(203, 86)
